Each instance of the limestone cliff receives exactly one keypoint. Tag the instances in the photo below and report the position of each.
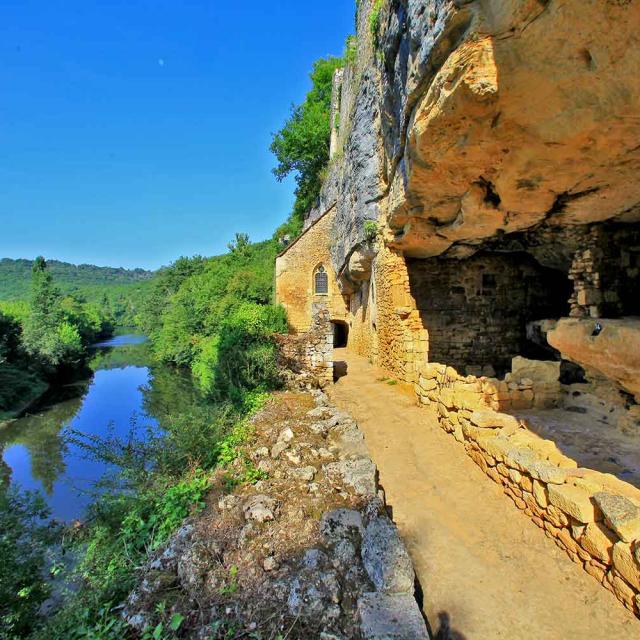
(474, 121)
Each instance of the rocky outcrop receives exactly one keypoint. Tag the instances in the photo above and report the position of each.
(307, 551)
(486, 215)
(474, 120)
(525, 112)
(610, 348)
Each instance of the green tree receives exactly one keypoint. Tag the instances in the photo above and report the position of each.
(302, 145)
(9, 338)
(240, 244)
(47, 336)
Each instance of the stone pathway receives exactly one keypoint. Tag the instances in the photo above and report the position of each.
(487, 571)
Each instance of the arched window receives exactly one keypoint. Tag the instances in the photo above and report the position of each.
(321, 281)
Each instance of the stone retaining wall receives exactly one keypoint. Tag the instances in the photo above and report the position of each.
(594, 517)
(310, 353)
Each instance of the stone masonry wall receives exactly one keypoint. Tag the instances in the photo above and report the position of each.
(593, 517)
(476, 310)
(605, 273)
(295, 268)
(311, 353)
(385, 325)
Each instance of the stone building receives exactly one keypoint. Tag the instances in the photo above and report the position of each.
(480, 230)
(305, 279)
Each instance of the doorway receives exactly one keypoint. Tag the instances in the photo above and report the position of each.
(340, 334)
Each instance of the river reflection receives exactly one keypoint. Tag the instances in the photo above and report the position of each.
(126, 390)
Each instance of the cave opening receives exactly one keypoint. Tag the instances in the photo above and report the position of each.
(479, 311)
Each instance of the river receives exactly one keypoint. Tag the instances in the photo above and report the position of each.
(125, 390)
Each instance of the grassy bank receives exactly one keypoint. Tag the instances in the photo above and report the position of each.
(141, 513)
(162, 478)
(19, 389)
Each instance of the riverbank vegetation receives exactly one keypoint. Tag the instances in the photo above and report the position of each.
(216, 318)
(43, 339)
(117, 291)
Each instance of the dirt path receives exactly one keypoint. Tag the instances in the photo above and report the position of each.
(486, 570)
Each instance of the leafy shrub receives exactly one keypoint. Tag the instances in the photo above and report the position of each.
(370, 230)
(351, 50)
(18, 388)
(247, 352)
(191, 299)
(24, 538)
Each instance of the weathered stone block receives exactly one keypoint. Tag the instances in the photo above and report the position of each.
(557, 517)
(494, 420)
(540, 494)
(359, 474)
(572, 501)
(598, 540)
(623, 591)
(341, 523)
(626, 564)
(385, 558)
(391, 617)
(620, 514)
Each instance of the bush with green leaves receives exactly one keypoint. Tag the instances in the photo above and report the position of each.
(214, 316)
(25, 537)
(246, 358)
(370, 230)
(351, 50)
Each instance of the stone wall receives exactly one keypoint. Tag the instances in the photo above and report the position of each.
(605, 273)
(295, 268)
(476, 310)
(385, 325)
(592, 516)
(310, 353)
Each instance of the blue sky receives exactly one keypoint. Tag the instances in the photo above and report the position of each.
(136, 131)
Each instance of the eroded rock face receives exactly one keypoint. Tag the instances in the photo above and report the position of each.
(525, 114)
(360, 264)
(477, 119)
(614, 351)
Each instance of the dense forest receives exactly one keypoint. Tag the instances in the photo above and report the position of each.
(214, 317)
(118, 291)
(15, 276)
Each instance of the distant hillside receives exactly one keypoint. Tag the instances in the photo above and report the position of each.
(15, 277)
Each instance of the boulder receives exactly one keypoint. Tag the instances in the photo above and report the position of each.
(613, 353)
(385, 557)
(360, 264)
(620, 514)
(340, 524)
(391, 617)
(315, 594)
(545, 372)
(359, 474)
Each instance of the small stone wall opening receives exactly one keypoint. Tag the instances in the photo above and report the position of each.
(340, 334)
(476, 311)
